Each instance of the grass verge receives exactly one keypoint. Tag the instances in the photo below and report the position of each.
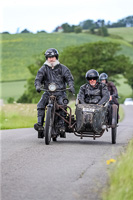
(121, 178)
(121, 113)
(19, 115)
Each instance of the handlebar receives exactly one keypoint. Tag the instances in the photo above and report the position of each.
(115, 95)
(47, 90)
(43, 89)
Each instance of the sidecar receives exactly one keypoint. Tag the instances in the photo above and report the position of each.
(91, 120)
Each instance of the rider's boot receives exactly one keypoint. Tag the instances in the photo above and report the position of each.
(39, 127)
(39, 123)
(62, 131)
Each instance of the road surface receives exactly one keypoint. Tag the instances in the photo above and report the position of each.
(70, 169)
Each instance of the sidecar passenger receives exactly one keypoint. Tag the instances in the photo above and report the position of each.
(93, 92)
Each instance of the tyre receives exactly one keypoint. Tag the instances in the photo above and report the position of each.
(114, 122)
(114, 115)
(48, 125)
(114, 132)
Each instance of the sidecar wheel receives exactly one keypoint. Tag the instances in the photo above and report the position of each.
(48, 126)
(114, 131)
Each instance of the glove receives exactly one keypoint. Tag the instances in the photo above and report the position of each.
(115, 95)
(72, 89)
(38, 89)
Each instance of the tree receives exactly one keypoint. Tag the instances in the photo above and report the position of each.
(41, 31)
(77, 29)
(99, 23)
(129, 21)
(92, 30)
(87, 24)
(30, 95)
(25, 31)
(102, 31)
(102, 56)
(125, 22)
(129, 75)
(6, 32)
(67, 28)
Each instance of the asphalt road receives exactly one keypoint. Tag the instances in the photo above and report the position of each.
(70, 169)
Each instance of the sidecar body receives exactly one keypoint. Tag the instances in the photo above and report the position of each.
(91, 119)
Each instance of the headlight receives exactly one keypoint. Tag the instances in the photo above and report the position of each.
(52, 87)
(65, 101)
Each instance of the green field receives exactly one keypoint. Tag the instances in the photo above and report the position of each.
(125, 33)
(20, 50)
(12, 89)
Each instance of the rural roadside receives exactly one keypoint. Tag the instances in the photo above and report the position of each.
(68, 169)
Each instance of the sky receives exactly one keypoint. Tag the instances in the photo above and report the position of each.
(17, 15)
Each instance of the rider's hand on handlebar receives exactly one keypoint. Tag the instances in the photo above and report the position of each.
(72, 89)
(110, 98)
(38, 89)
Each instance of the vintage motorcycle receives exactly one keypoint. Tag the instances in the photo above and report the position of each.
(90, 120)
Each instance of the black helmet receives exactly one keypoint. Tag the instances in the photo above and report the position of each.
(51, 53)
(103, 76)
(92, 74)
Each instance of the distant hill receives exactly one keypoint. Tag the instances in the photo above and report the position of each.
(20, 50)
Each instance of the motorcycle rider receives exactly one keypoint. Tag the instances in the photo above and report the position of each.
(111, 88)
(93, 92)
(52, 71)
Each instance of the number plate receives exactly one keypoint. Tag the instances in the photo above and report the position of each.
(88, 110)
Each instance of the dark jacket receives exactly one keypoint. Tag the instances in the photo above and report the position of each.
(93, 95)
(113, 91)
(60, 75)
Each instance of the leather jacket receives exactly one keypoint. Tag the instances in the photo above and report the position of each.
(93, 95)
(113, 91)
(59, 74)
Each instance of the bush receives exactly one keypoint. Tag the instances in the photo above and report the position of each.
(10, 100)
(77, 29)
(5, 32)
(103, 31)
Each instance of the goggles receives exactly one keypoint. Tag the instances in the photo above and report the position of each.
(91, 78)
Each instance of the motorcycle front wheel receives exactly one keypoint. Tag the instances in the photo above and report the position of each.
(48, 125)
